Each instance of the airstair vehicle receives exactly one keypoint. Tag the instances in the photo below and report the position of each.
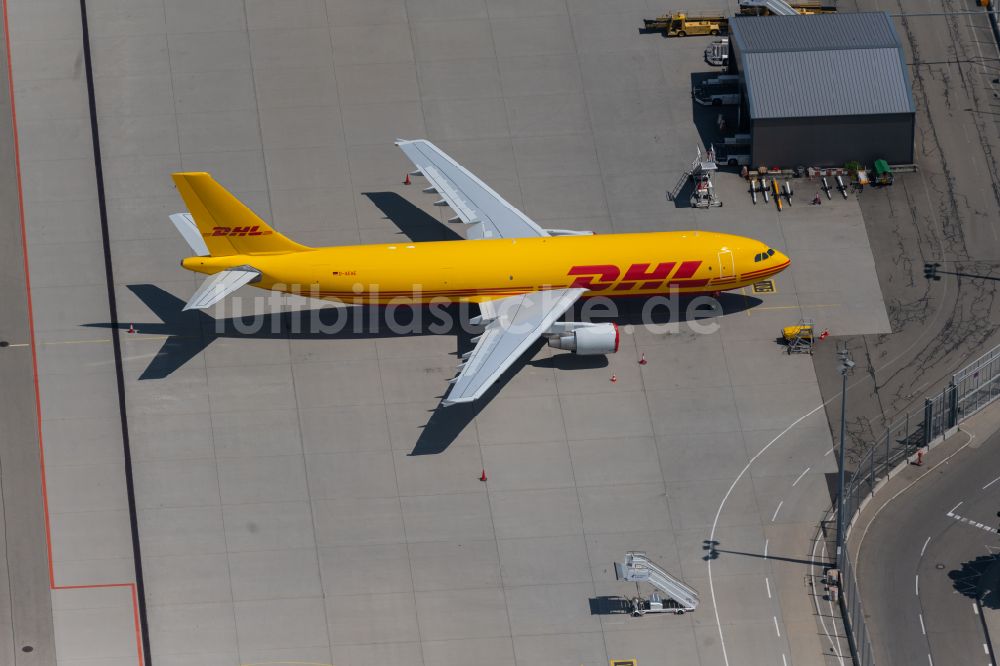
(703, 195)
(676, 597)
(772, 7)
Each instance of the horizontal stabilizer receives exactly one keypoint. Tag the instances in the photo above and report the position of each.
(189, 230)
(220, 285)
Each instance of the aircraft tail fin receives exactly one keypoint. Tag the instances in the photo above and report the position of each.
(227, 226)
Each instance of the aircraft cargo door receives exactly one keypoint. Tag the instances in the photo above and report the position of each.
(726, 266)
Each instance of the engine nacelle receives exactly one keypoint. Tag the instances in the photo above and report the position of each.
(583, 338)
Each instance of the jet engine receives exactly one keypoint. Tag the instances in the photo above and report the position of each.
(584, 338)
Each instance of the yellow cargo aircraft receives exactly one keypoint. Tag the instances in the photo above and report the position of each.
(523, 277)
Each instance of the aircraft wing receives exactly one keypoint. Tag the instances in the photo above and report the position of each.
(514, 324)
(475, 202)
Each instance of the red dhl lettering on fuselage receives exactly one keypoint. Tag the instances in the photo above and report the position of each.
(607, 277)
(238, 231)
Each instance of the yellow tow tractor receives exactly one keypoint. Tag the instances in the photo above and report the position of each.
(682, 24)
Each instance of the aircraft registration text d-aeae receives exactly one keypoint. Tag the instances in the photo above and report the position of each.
(523, 277)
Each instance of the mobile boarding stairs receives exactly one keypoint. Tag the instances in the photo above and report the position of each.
(676, 598)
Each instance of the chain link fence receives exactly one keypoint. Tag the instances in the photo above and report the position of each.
(854, 620)
(971, 389)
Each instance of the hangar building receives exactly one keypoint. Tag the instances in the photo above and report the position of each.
(823, 89)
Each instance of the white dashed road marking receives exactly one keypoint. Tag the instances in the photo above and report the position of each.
(777, 510)
(971, 523)
(804, 472)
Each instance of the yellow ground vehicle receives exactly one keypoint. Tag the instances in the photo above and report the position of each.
(763, 8)
(799, 339)
(806, 7)
(682, 24)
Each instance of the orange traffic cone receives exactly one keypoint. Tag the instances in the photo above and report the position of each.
(406, 181)
(483, 477)
(614, 379)
(642, 360)
(132, 329)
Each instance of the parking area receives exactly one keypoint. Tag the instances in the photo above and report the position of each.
(298, 498)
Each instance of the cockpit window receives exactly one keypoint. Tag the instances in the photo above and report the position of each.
(756, 257)
(770, 252)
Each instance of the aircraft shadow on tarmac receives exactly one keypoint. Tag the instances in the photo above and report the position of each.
(413, 222)
(979, 579)
(189, 332)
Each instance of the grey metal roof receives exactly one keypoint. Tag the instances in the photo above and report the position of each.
(822, 65)
(816, 32)
(826, 83)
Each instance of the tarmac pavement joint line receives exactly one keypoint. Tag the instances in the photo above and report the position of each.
(34, 357)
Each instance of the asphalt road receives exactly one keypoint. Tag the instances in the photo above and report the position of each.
(922, 556)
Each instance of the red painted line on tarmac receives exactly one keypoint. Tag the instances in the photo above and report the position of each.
(34, 356)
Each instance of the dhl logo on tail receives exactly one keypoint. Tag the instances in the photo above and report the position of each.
(238, 231)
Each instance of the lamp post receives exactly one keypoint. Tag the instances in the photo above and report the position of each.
(845, 365)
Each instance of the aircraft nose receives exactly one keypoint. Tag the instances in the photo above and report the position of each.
(781, 259)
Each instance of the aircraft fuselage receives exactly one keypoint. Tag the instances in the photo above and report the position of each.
(686, 262)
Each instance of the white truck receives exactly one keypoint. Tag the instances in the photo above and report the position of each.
(708, 98)
(717, 53)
